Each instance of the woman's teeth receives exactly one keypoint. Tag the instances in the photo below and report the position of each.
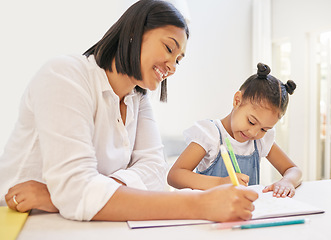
(160, 73)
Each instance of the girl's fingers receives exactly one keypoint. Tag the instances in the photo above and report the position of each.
(243, 182)
(286, 192)
(276, 191)
(268, 188)
(280, 191)
(292, 192)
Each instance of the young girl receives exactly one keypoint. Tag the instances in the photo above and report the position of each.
(258, 105)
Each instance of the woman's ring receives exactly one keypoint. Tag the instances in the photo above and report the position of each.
(14, 199)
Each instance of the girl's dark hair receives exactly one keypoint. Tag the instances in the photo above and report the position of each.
(123, 40)
(265, 88)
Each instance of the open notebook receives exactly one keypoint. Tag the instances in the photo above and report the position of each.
(266, 206)
(11, 223)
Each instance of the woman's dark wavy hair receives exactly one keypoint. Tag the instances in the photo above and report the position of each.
(265, 88)
(123, 40)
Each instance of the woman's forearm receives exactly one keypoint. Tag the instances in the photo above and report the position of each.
(224, 203)
(221, 203)
(131, 204)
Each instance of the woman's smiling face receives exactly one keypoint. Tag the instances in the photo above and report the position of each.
(161, 50)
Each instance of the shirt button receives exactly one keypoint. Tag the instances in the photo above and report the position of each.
(118, 120)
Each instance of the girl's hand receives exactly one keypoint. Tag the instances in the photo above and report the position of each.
(282, 188)
(30, 195)
(242, 178)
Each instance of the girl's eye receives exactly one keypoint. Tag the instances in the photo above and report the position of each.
(263, 130)
(177, 62)
(251, 123)
(169, 49)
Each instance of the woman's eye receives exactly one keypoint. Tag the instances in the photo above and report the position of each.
(169, 49)
(177, 62)
(251, 123)
(263, 130)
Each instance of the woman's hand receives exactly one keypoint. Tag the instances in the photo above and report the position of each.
(228, 203)
(283, 188)
(30, 195)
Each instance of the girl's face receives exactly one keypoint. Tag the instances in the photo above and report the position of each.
(161, 50)
(251, 121)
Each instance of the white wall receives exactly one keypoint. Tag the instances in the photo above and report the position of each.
(34, 31)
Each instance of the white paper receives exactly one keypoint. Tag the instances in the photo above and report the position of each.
(266, 206)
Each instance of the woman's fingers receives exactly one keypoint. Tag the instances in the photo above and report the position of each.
(246, 204)
(11, 199)
(15, 200)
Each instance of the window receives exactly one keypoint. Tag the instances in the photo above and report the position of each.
(324, 89)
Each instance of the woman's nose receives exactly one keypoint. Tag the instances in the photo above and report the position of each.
(172, 66)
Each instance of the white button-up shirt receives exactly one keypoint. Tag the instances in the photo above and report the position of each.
(70, 135)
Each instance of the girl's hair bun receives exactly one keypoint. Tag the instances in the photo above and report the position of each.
(290, 86)
(262, 70)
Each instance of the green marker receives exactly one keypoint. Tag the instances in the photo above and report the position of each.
(233, 157)
(270, 224)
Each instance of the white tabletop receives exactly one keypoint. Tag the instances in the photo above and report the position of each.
(49, 226)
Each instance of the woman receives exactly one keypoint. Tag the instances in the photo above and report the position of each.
(87, 136)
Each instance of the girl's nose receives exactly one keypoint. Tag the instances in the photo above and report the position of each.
(254, 131)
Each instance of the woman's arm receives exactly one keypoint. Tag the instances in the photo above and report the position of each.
(291, 173)
(181, 174)
(222, 203)
(147, 168)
